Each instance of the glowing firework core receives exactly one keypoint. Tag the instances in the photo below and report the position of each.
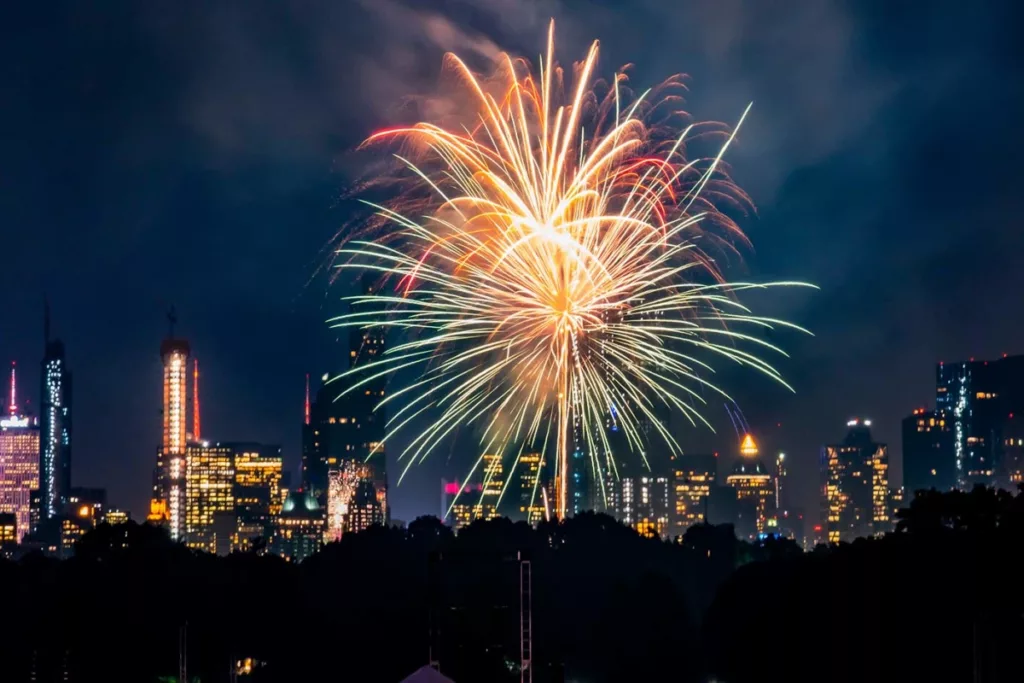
(546, 265)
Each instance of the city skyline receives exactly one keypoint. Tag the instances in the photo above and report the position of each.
(805, 492)
(221, 205)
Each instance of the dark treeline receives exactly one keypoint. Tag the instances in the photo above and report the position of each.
(939, 600)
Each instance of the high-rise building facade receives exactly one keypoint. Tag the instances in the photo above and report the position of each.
(478, 497)
(493, 482)
(928, 452)
(781, 472)
(693, 477)
(755, 490)
(299, 528)
(1013, 450)
(352, 502)
(55, 427)
(19, 461)
(209, 496)
(364, 509)
(8, 529)
(857, 485)
(652, 505)
(86, 503)
(532, 494)
(168, 500)
(977, 398)
(641, 501)
(462, 504)
(344, 423)
(257, 492)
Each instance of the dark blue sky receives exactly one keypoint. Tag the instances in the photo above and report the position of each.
(195, 153)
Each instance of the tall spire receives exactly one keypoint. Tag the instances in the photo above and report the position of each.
(195, 399)
(307, 398)
(14, 394)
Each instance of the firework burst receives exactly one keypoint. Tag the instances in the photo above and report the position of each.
(551, 265)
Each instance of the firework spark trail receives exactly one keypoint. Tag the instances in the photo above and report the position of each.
(548, 274)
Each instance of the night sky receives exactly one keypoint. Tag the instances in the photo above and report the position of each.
(200, 153)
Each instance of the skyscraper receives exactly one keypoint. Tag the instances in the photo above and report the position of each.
(652, 505)
(493, 482)
(642, 501)
(928, 453)
(257, 492)
(477, 498)
(531, 487)
(693, 477)
(755, 490)
(299, 528)
(8, 529)
(209, 496)
(350, 505)
(168, 502)
(364, 509)
(857, 485)
(348, 427)
(55, 426)
(19, 462)
(977, 398)
(1013, 449)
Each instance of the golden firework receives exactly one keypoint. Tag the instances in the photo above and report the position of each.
(551, 266)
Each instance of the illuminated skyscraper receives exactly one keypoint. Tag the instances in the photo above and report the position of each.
(71, 530)
(257, 491)
(780, 479)
(642, 501)
(55, 426)
(493, 480)
(364, 509)
(169, 475)
(86, 503)
(531, 487)
(19, 462)
(693, 477)
(461, 505)
(1013, 449)
(346, 427)
(857, 485)
(928, 453)
(299, 528)
(652, 505)
(755, 489)
(348, 507)
(8, 528)
(478, 497)
(209, 497)
(976, 398)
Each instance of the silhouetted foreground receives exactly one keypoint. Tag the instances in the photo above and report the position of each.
(938, 600)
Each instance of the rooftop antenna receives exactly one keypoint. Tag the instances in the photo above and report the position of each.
(307, 398)
(14, 403)
(195, 399)
(172, 320)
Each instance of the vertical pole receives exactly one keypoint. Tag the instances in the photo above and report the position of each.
(525, 622)
(433, 654)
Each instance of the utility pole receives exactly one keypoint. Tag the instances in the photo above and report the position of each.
(183, 654)
(525, 621)
(433, 617)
